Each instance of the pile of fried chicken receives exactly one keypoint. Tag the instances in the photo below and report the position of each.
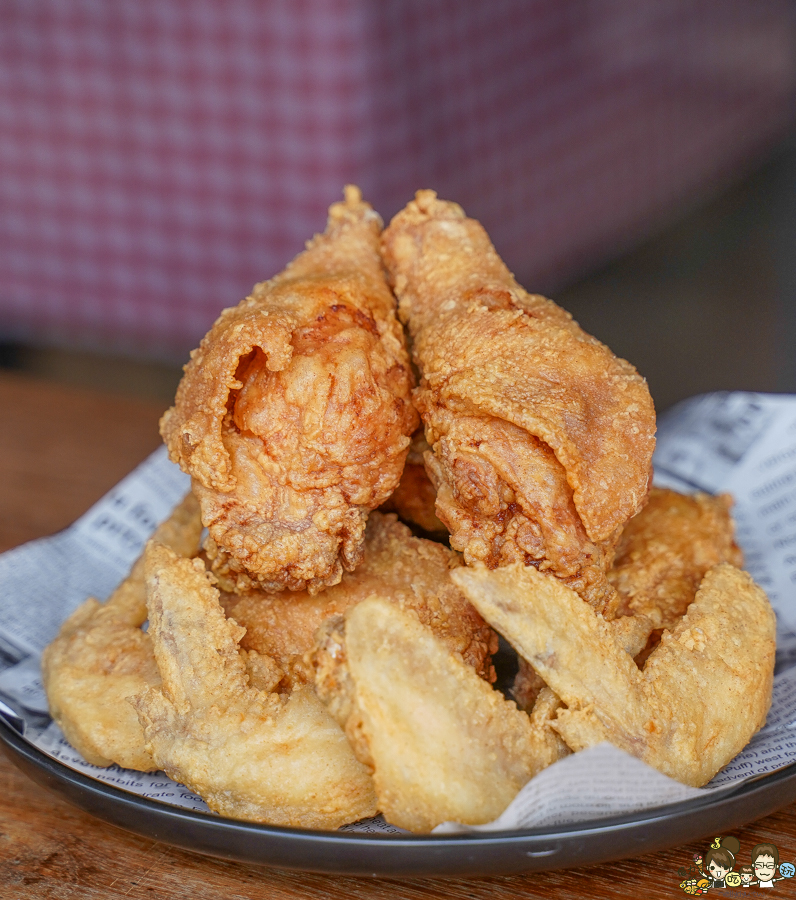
(322, 609)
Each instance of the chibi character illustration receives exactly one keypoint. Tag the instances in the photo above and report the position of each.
(765, 859)
(720, 860)
(719, 864)
(695, 886)
(747, 876)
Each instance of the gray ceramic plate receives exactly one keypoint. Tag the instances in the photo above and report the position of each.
(498, 853)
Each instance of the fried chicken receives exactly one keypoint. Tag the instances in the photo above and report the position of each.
(250, 754)
(415, 498)
(662, 556)
(632, 633)
(294, 415)
(443, 744)
(665, 551)
(101, 658)
(541, 438)
(704, 691)
(411, 572)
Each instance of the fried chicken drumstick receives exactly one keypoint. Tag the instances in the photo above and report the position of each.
(541, 438)
(294, 417)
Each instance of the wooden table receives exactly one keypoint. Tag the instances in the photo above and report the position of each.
(60, 450)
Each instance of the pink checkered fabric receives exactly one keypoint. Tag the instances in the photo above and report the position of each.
(157, 157)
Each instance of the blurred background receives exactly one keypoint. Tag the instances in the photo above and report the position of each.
(635, 161)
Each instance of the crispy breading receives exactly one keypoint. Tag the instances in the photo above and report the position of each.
(704, 691)
(250, 754)
(415, 497)
(631, 632)
(542, 439)
(294, 415)
(665, 551)
(443, 744)
(410, 571)
(101, 657)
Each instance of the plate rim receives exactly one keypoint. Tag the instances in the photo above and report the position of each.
(76, 786)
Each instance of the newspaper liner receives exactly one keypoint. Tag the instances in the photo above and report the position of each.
(742, 443)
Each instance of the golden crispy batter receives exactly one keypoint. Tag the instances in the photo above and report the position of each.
(101, 658)
(665, 551)
(409, 571)
(250, 754)
(415, 497)
(632, 633)
(542, 439)
(294, 415)
(443, 744)
(705, 690)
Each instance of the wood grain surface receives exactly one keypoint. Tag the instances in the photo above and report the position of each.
(60, 450)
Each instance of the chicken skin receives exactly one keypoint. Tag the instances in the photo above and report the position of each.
(702, 694)
(411, 572)
(294, 415)
(249, 752)
(443, 745)
(541, 439)
(102, 657)
(666, 550)
(415, 498)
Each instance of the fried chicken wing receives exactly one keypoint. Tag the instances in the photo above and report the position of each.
(101, 657)
(410, 571)
(665, 551)
(704, 691)
(541, 438)
(294, 415)
(251, 754)
(443, 744)
(632, 633)
(663, 554)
